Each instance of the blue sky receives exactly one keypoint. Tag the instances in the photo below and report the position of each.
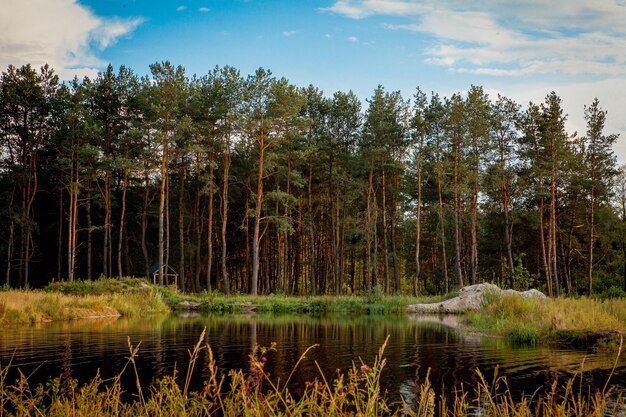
(522, 49)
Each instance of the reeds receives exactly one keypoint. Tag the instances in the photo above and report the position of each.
(254, 393)
(527, 321)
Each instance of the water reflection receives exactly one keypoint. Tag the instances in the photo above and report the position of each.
(417, 346)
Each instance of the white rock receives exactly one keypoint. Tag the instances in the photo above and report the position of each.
(470, 298)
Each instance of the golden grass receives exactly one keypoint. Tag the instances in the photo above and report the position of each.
(27, 306)
(530, 320)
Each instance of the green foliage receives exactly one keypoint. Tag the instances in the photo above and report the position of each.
(374, 295)
(98, 287)
(613, 292)
(523, 334)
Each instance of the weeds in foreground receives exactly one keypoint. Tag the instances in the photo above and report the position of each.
(254, 393)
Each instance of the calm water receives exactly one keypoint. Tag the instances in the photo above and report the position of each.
(416, 345)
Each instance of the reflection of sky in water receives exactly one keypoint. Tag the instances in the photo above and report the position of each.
(416, 348)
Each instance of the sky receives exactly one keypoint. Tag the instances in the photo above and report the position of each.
(523, 49)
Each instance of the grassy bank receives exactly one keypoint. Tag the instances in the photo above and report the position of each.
(254, 393)
(294, 304)
(580, 321)
(136, 297)
(374, 302)
(56, 303)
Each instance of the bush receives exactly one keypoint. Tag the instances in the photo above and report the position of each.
(612, 292)
(100, 286)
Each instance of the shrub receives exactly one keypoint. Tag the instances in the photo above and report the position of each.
(612, 292)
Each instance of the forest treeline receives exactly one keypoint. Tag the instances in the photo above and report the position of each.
(251, 184)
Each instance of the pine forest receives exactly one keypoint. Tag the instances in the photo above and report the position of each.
(249, 184)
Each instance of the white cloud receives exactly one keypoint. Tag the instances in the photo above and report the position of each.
(510, 37)
(181, 8)
(328, 36)
(360, 9)
(289, 33)
(353, 39)
(204, 10)
(61, 33)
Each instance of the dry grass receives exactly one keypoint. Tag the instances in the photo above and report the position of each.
(530, 320)
(20, 307)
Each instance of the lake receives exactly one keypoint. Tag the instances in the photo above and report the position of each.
(417, 346)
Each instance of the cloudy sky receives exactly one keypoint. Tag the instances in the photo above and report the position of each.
(522, 49)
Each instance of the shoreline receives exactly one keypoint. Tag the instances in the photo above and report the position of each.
(582, 322)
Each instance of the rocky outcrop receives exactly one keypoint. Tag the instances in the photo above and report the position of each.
(471, 298)
(189, 305)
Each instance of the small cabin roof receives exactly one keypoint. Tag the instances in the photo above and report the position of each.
(154, 269)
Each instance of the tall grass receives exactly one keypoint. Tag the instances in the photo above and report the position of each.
(253, 393)
(28, 306)
(524, 320)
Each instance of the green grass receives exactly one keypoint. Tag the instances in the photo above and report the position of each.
(134, 297)
(295, 304)
(253, 392)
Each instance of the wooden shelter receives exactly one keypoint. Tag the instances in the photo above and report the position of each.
(170, 276)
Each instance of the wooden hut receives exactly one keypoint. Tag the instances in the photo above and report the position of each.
(170, 276)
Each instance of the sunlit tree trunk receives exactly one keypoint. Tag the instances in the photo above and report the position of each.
(311, 243)
(418, 225)
(144, 222)
(122, 224)
(385, 239)
(226, 181)
(210, 223)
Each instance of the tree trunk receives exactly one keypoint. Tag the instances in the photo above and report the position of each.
(89, 231)
(227, 162)
(311, 246)
(256, 237)
(507, 234)
(392, 224)
(144, 224)
(106, 258)
(286, 260)
(162, 198)
(442, 229)
(73, 210)
(209, 265)
(246, 223)
(553, 228)
(544, 257)
(122, 221)
(11, 240)
(181, 226)
(385, 239)
(418, 227)
(592, 203)
(60, 229)
(474, 234)
(368, 229)
(196, 216)
(457, 215)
